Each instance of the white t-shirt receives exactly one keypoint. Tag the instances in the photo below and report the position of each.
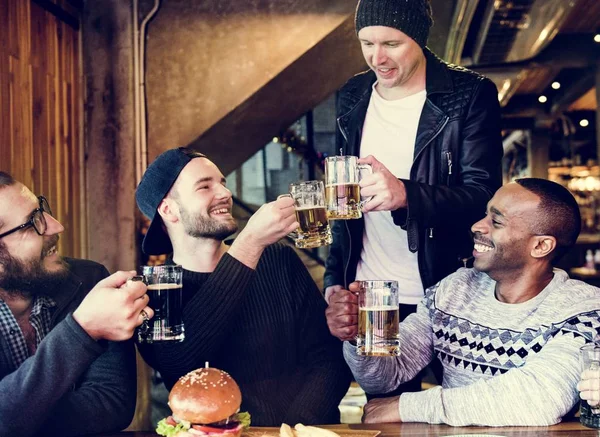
(389, 134)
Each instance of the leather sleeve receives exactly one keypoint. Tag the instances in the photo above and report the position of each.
(480, 171)
(334, 265)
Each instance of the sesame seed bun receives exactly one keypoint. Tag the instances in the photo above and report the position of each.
(205, 396)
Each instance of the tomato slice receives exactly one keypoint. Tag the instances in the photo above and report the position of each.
(171, 421)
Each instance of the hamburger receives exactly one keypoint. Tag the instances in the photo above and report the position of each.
(204, 402)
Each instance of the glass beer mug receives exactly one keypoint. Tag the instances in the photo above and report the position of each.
(342, 174)
(165, 292)
(590, 359)
(309, 202)
(378, 319)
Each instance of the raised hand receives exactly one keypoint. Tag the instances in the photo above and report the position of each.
(113, 308)
(342, 312)
(387, 192)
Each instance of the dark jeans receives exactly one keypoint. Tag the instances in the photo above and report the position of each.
(415, 383)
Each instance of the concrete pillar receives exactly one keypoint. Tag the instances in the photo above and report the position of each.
(109, 150)
(109, 145)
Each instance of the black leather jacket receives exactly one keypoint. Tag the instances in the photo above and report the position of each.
(455, 172)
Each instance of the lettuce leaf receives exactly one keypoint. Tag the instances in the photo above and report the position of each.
(243, 418)
(163, 428)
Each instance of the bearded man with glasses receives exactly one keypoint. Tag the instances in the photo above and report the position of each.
(67, 364)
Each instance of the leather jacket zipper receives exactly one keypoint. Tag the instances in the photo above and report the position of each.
(449, 163)
(340, 127)
(344, 115)
(349, 255)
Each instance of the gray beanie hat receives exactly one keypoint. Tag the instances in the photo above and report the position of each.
(413, 17)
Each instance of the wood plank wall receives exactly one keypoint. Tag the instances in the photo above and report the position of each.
(40, 112)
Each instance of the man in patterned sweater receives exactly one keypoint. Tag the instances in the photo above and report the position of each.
(507, 332)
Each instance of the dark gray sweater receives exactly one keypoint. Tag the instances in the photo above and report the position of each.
(73, 385)
(267, 328)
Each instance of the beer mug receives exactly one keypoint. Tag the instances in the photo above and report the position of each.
(342, 174)
(309, 202)
(590, 358)
(378, 319)
(164, 290)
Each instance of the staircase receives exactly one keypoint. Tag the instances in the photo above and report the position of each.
(228, 75)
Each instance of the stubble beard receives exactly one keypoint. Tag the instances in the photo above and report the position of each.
(207, 227)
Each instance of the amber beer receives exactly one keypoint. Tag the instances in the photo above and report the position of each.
(309, 203)
(342, 192)
(378, 317)
(378, 331)
(343, 201)
(314, 228)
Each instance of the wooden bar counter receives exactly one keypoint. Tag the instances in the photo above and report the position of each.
(420, 429)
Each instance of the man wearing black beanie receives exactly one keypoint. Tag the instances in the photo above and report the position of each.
(431, 132)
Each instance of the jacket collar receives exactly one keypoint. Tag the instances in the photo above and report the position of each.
(69, 289)
(437, 79)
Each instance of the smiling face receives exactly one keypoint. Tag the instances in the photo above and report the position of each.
(29, 263)
(504, 241)
(396, 59)
(203, 201)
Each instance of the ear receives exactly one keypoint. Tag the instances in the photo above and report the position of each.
(168, 210)
(543, 246)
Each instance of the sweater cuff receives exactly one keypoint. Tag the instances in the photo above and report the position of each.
(423, 406)
(97, 347)
(236, 272)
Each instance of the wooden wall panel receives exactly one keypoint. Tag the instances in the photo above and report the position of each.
(40, 107)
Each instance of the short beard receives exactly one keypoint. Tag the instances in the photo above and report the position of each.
(30, 278)
(199, 227)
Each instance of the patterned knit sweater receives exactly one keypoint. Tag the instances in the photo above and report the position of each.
(504, 364)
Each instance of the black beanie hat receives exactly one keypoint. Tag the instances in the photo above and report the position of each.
(413, 17)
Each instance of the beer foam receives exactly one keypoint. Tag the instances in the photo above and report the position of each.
(304, 208)
(160, 287)
(380, 308)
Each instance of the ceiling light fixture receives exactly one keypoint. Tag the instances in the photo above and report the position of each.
(584, 123)
(542, 99)
(555, 85)
(597, 37)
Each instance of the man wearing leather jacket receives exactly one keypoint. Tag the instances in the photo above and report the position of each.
(431, 132)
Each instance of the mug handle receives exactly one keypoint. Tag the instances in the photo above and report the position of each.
(293, 235)
(370, 170)
(142, 330)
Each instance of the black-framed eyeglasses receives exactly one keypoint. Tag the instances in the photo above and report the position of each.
(37, 219)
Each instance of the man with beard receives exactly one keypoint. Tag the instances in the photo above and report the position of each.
(250, 309)
(507, 332)
(65, 367)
